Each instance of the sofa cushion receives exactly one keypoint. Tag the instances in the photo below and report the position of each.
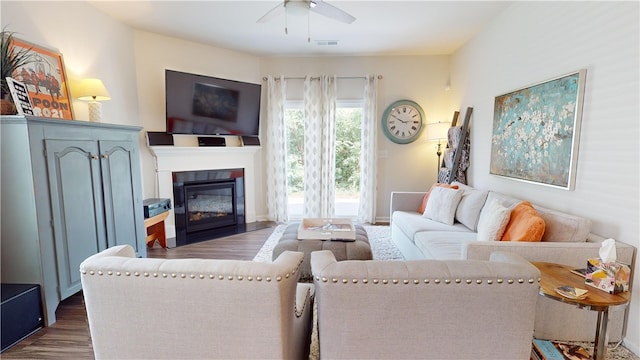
(505, 200)
(425, 199)
(493, 220)
(524, 224)
(563, 227)
(468, 211)
(558, 226)
(410, 222)
(442, 245)
(442, 204)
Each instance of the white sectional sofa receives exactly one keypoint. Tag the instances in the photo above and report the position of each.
(567, 240)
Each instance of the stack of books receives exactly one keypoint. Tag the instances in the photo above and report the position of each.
(550, 350)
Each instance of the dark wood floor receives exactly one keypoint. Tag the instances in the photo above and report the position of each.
(69, 337)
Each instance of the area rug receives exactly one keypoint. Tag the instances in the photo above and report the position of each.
(615, 351)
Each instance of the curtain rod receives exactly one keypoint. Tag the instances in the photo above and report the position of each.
(317, 77)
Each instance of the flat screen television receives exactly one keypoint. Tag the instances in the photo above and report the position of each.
(205, 105)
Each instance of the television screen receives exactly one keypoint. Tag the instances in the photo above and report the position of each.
(205, 105)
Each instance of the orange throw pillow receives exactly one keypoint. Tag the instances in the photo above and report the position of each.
(525, 224)
(425, 199)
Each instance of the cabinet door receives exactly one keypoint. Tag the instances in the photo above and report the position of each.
(122, 194)
(76, 205)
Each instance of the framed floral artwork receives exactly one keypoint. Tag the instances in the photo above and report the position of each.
(46, 81)
(536, 131)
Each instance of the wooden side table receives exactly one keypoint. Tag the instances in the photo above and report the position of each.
(155, 229)
(556, 275)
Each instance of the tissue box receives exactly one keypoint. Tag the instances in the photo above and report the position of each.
(610, 277)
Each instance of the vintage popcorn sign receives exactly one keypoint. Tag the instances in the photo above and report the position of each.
(45, 80)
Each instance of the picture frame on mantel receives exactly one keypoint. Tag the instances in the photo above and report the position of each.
(536, 131)
(46, 81)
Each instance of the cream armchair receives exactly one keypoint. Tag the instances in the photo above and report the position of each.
(194, 308)
(425, 309)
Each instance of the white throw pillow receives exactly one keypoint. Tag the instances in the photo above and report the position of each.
(471, 204)
(494, 218)
(442, 204)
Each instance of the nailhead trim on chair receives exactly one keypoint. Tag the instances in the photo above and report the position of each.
(304, 305)
(193, 276)
(427, 281)
(220, 277)
(200, 276)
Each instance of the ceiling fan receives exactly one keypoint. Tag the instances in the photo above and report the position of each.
(317, 6)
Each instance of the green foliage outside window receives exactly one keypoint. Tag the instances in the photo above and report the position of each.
(348, 128)
(295, 150)
(348, 132)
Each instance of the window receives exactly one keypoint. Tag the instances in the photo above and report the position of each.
(348, 129)
(348, 132)
(294, 118)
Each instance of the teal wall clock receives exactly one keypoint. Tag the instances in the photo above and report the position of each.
(403, 121)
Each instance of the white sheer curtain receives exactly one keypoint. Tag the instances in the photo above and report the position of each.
(368, 152)
(319, 146)
(276, 150)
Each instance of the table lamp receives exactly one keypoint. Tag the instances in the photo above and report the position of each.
(93, 91)
(437, 132)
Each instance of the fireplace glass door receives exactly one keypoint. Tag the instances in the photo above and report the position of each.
(209, 205)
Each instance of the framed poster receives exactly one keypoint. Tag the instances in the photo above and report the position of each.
(45, 80)
(536, 131)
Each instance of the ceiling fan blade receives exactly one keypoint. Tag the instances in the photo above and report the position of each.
(332, 12)
(272, 13)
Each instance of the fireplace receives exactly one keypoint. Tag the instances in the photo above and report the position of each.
(208, 204)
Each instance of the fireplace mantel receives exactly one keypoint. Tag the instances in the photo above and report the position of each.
(191, 158)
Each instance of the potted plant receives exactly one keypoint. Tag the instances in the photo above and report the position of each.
(11, 61)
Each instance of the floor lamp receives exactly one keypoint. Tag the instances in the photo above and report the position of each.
(438, 132)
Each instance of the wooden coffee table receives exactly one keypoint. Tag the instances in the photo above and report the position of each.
(556, 275)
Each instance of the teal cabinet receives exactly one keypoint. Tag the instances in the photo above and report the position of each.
(120, 169)
(85, 194)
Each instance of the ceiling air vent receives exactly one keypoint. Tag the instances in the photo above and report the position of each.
(326, 42)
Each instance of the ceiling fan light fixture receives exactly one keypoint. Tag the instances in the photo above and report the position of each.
(297, 8)
(304, 7)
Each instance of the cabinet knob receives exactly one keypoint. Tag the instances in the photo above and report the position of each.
(94, 157)
(105, 156)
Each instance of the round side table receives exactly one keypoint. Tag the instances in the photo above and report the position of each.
(553, 276)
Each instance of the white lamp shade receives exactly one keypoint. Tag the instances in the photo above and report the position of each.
(297, 8)
(437, 131)
(93, 90)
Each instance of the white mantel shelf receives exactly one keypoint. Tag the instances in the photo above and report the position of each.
(168, 150)
(192, 158)
(186, 158)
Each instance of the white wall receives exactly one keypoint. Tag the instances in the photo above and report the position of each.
(91, 44)
(410, 167)
(535, 41)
